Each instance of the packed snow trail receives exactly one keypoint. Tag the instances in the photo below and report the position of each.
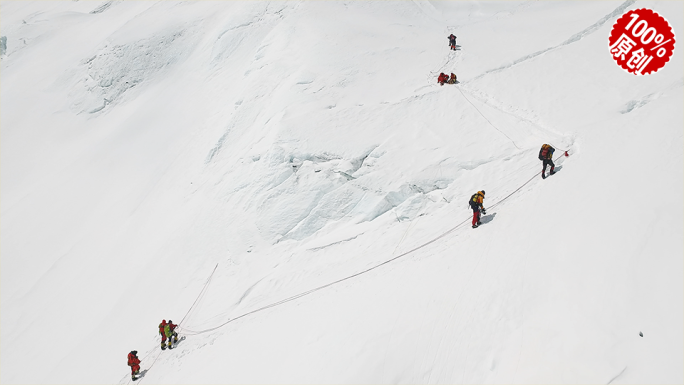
(297, 143)
(485, 118)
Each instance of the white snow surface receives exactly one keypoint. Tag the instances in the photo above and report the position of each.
(297, 144)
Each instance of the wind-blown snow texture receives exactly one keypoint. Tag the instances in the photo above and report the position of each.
(299, 143)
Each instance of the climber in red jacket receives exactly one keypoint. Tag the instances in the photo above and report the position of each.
(134, 363)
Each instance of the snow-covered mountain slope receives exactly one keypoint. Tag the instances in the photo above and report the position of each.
(298, 144)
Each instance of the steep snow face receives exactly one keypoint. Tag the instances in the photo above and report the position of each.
(300, 146)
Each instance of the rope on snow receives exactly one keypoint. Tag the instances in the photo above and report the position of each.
(292, 298)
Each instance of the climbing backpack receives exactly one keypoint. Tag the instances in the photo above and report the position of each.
(132, 357)
(545, 152)
(473, 201)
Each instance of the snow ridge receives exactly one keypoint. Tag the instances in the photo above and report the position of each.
(574, 38)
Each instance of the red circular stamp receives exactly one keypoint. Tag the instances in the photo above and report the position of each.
(641, 41)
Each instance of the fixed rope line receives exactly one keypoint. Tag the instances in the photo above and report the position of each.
(200, 294)
(141, 379)
(405, 232)
(186, 314)
(300, 295)
(556, 147)
(149, 352)
(518, 189)
(327, 285)
(292, 298)
(485, 118)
